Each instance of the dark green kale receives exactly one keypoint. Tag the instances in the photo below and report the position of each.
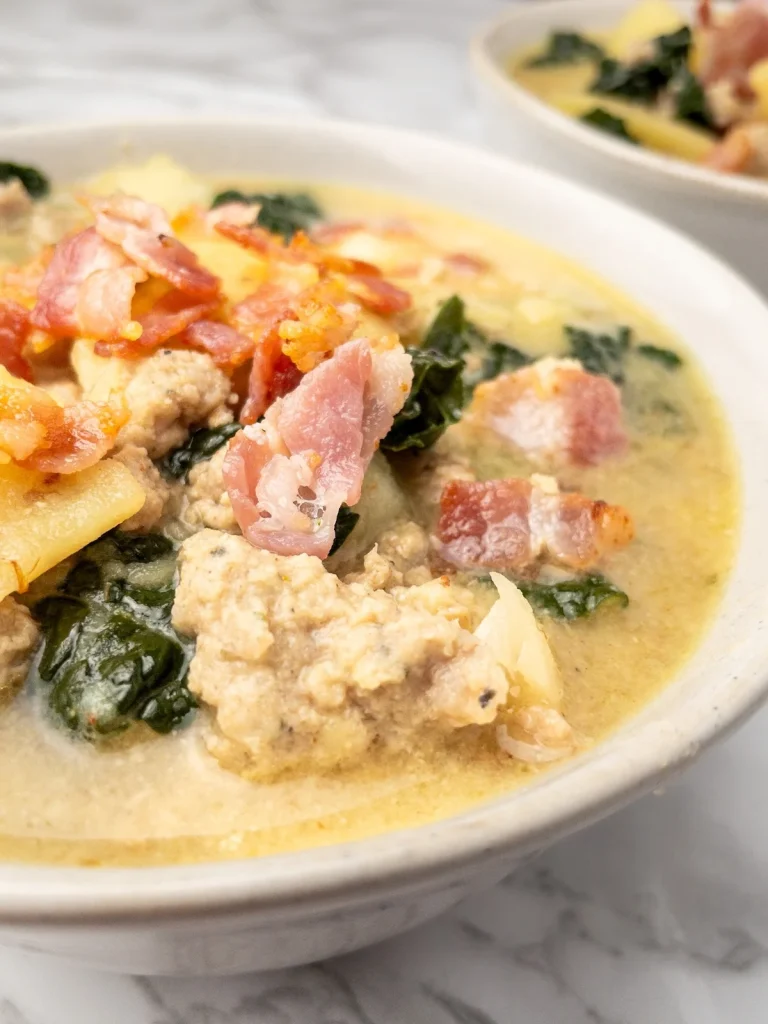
(34, 181)
(599, 118)
(434, 403)
(497, 358)
(346, 521)
(573, 599)
(600, 353)
(282, 213)
(109, 655)
(199, 447)
(450, 333)
(566, 48)
(689, 100)
(643, 80)
(665, 356)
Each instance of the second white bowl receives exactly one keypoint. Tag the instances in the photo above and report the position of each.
(727, 212)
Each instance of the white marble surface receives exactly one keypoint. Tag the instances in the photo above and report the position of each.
(659, 914)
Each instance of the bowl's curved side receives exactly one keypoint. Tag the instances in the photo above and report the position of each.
(697, 296)
(495, 43)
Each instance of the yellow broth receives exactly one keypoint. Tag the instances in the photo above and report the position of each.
(164, 799)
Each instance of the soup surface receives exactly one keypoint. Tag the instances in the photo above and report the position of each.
(698, 92)
(255, 656)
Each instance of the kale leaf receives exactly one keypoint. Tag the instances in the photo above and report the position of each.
(600, 353)
(666, 69)
(434, 403)
(346, 521)
(573, 599)
(109, 654)
(450, 333)
(498, 357)
(600, 118)
(199, 447)
(282, 213)
(665, 356)
(566, 48)
(34, 181)
(689, 100)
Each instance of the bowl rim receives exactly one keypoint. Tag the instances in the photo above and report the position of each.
(487, 67)
(494, 833)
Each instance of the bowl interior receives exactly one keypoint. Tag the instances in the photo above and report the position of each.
(710, 308)
(527, 24)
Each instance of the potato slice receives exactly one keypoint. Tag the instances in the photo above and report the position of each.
(159, 180)
(46, 518)
(640, 24)
(99, 376)
(511, 631)
(758, 80)
(651, 129)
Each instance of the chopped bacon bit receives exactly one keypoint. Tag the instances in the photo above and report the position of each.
(38, 433)
(22, 282)
(335, 230)
(363, 280)
(14, 327)
(735, 45)
(86, 289)
(241, 214)
(288, 475)
(514, 523)
(555, 411)
(172, 314)
(227, 347)
(378, 295)
(258, 317)
(143, 233)
(465, 263)
(286, 376)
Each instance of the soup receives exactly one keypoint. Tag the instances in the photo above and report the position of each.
(324, 513)
(698, 92)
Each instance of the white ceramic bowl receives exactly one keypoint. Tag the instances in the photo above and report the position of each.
(241, 915)
(727, 212)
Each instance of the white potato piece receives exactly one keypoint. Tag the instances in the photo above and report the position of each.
(160, 180)
(99, 376)
(511, 631)
(652, 130)
(46, 518)
(640, 24)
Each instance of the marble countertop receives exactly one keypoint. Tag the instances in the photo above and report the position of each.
(659, 914)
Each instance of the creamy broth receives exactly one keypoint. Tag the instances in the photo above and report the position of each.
(164, 799)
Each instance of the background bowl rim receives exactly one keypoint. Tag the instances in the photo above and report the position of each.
(404, 859)
(487, 67)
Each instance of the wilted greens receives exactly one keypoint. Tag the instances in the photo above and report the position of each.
(282, 213)
(199, 447)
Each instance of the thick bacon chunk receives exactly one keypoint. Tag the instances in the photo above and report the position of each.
(734, 45)
(144, 234)
(87, 289)
(555, 412)
(512, 524)
(38, 433)
(288, 476)
(14, 326)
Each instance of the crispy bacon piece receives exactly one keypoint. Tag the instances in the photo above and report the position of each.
(38, 433)
(144, 234)
(467, 264)
(87, 289)
(335, 230)
(512, 524)
(363, 280)
(288, 476)
(171, 315)
(555, 412)
(227, 347)
(14, 327)
(258, 317)
(732, 47)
